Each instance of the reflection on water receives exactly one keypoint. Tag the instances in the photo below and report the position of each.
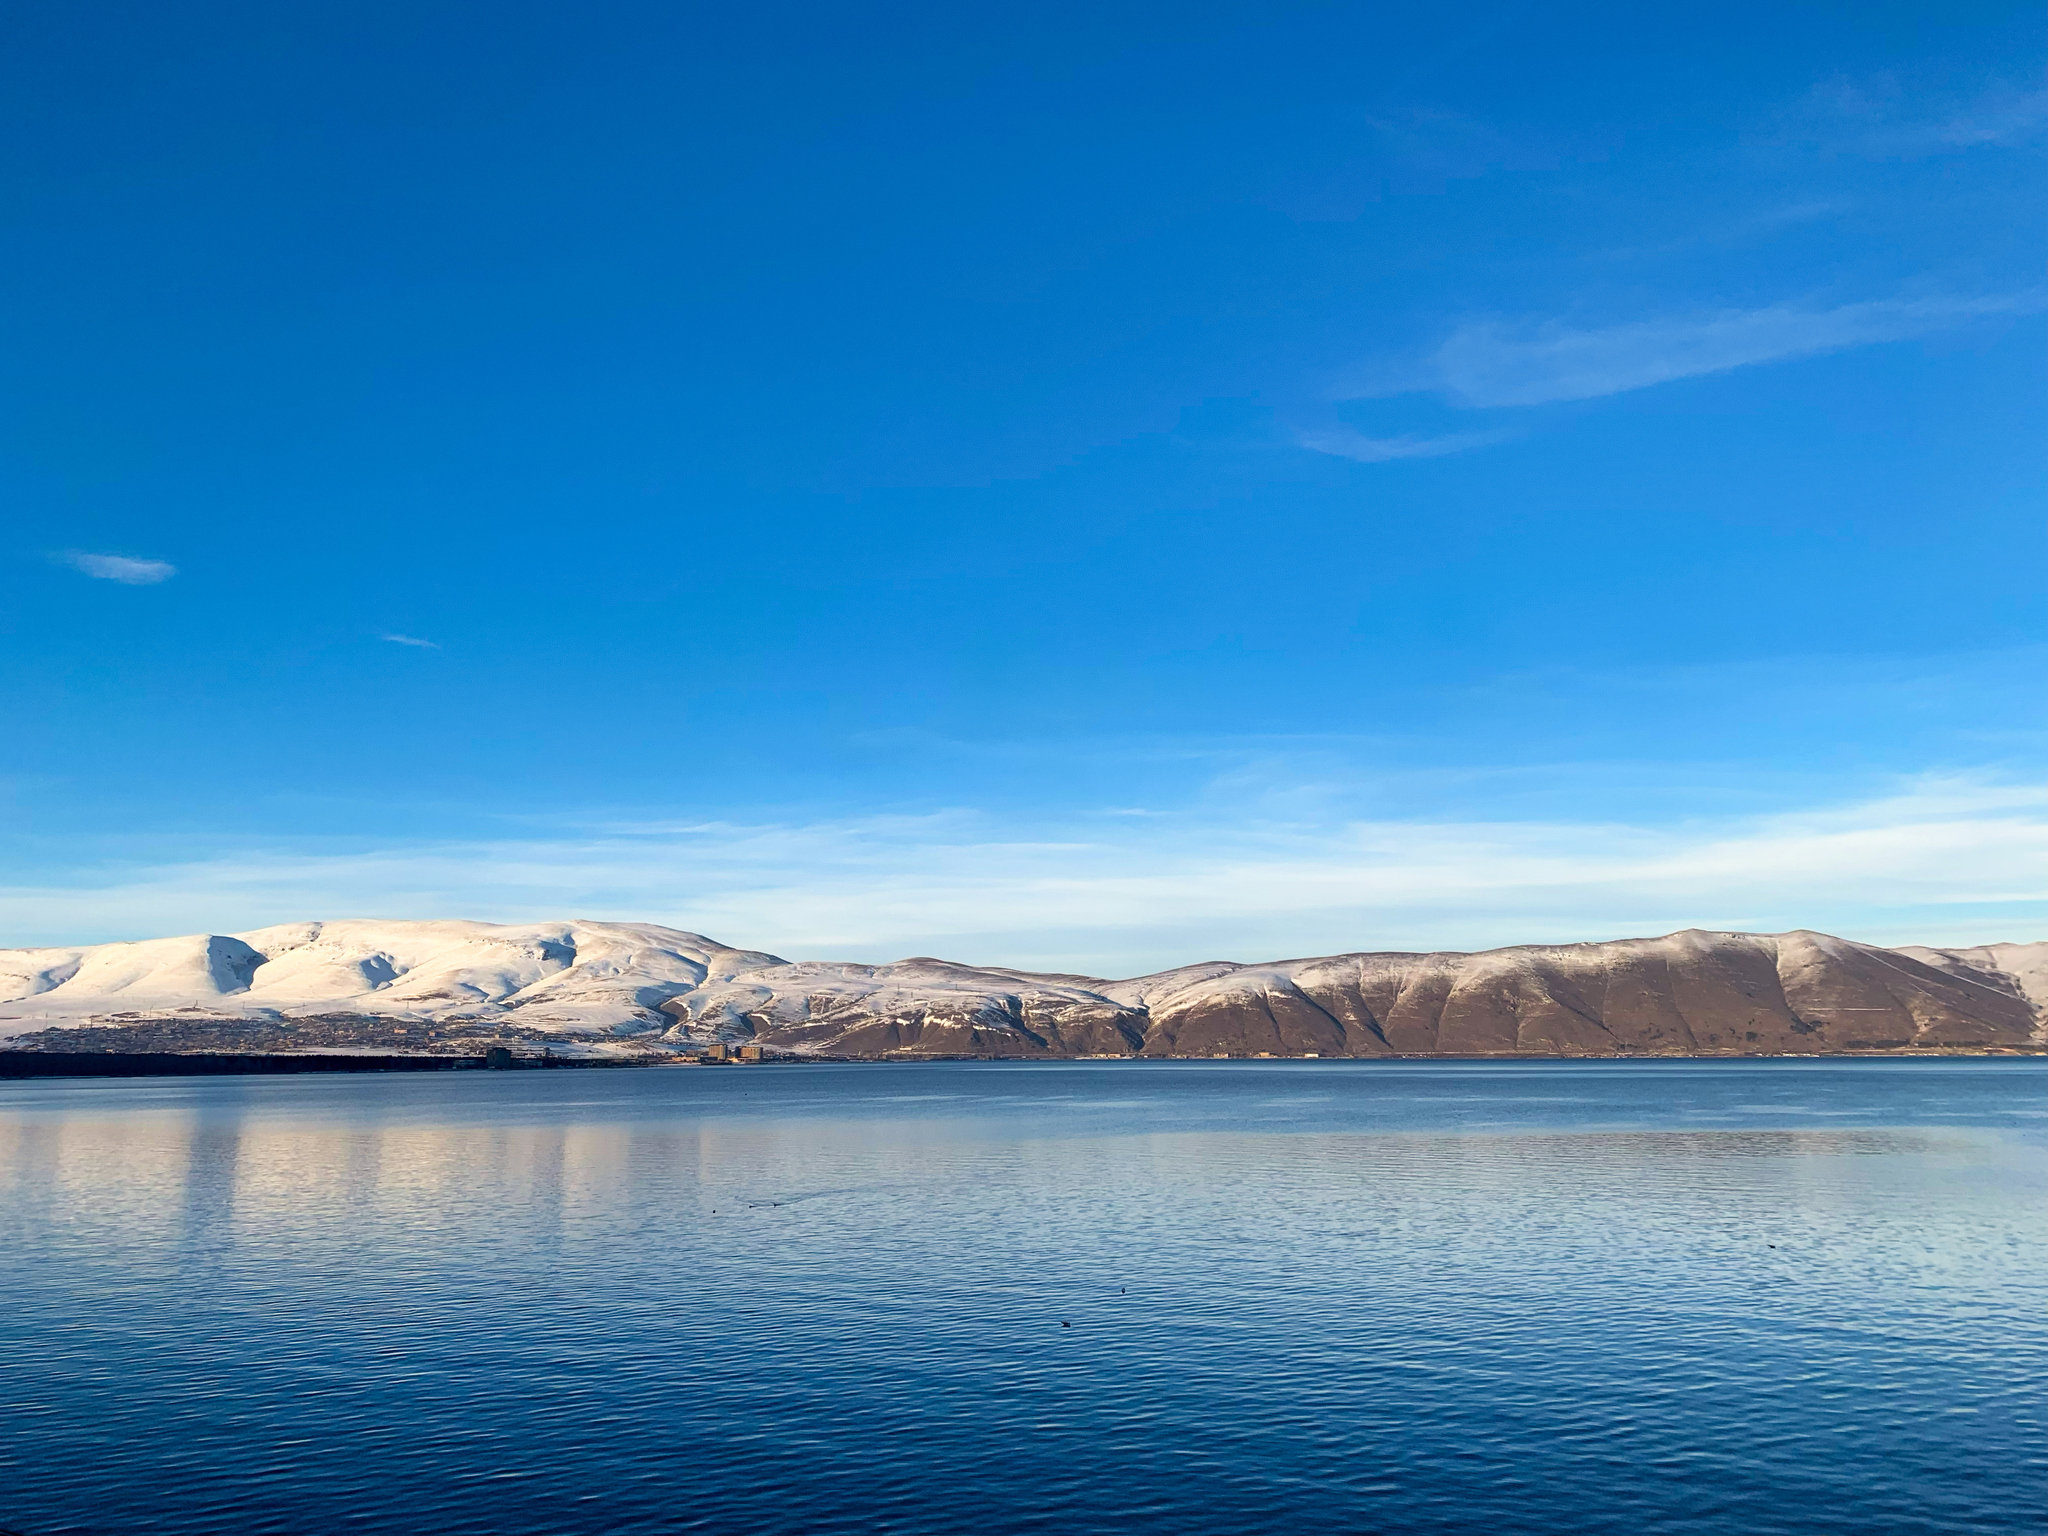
(1220, 1297)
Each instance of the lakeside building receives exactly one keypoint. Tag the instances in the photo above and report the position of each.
(720, 1052)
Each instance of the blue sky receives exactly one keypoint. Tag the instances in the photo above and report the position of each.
(1090, 487)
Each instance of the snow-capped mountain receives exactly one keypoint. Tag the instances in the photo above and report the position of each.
(572, 978)
(636, 987)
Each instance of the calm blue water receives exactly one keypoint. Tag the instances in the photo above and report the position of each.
(1094, 1297)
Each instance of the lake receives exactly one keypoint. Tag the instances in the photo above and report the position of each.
(1723, 1298)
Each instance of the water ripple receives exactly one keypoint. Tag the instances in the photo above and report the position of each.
(1439, 1300)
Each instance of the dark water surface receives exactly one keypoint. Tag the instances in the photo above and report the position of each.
(1728, 1299)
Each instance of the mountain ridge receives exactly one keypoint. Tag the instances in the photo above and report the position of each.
(643, 989)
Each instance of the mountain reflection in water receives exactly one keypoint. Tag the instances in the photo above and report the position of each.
(1610, 1297)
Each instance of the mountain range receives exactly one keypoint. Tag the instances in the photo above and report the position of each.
(635, 989)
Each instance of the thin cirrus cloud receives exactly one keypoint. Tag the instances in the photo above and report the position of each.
(425, 645)
(122, 568)
(1344, 443)
(1884, 117)
(1952, 860)
(1492, 364)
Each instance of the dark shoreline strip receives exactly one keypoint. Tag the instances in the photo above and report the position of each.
(207, 1064)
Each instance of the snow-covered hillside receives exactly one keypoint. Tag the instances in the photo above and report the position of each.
(567, 977)
(368, 984)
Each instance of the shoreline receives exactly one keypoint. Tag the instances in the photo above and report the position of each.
(24, 1065)
(36, 1064)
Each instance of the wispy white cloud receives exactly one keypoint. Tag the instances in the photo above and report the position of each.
(1348, 444)
(1494, 363)
(1739, 229)
(1345, 160)
(1884, 116)
(121, 568)
(425, 645)
(1945, 860)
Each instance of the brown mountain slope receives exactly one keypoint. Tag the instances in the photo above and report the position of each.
(1688, 993)
(632, 989)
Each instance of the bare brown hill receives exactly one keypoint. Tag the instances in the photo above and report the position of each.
(632, 989)
(1688, 993)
